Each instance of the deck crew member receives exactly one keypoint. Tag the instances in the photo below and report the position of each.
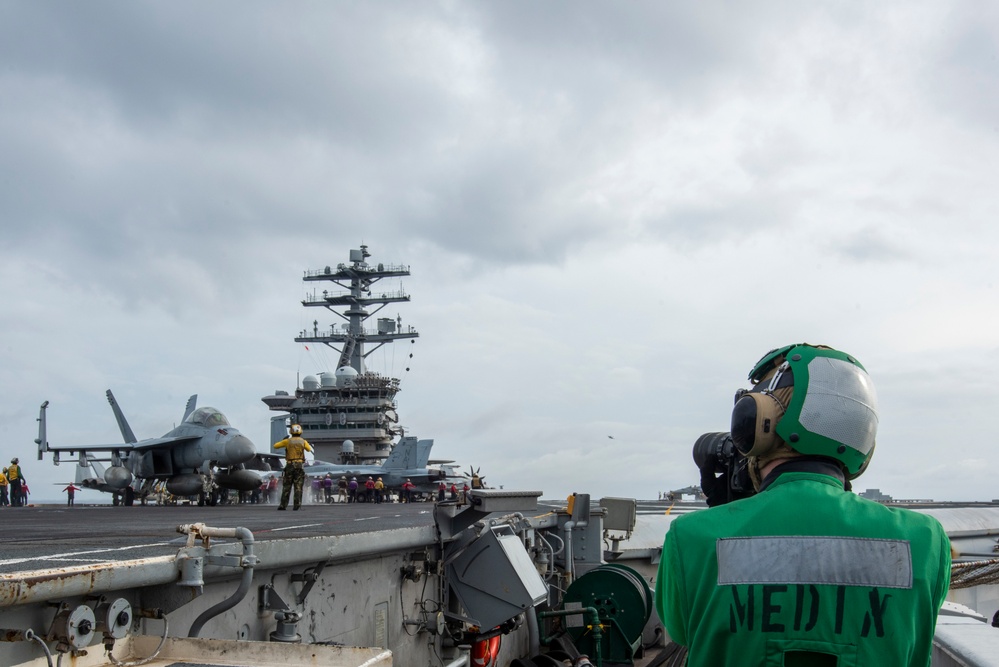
(294, 460)
(328, 488)
(4, 502)
(379, 490)
(16, 478)
(407, 491)
(71, 494)
(804, 572)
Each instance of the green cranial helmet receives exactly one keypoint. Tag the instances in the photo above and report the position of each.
(833, 410)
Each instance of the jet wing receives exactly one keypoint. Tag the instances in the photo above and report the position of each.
(144, 445)
(265, 463)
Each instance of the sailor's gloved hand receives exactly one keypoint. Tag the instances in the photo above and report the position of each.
(718, 488)
(715, 487)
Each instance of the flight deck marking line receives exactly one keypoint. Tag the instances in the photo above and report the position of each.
(17, 561)
(304, 525)
(366, 518)
(84, 560)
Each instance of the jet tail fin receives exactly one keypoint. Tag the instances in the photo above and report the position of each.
(41, 440)
(192, 403)
(126, 430)
(423, 448)
(401, 455)
(84, 468)
(409, 453)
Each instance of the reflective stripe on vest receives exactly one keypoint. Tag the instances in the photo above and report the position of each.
(837, 561)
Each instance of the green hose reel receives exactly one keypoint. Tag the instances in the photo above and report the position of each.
(623, 601)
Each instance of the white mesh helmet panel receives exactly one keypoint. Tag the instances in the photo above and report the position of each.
(841, 403)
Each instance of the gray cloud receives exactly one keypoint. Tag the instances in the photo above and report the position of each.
(964, 77)
(610, 211)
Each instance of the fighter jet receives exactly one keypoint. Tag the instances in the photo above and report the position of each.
(409, 459)
(203, 450)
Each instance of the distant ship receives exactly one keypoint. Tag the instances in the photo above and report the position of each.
(348, 415)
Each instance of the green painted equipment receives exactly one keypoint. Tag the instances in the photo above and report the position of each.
(623, 601)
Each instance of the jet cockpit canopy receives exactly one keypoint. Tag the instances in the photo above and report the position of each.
(207, 417)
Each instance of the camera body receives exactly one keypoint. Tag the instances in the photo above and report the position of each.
(724, 470)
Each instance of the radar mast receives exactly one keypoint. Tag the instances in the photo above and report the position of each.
(348, 414)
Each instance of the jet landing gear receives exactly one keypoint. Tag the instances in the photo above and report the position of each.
(126, 497)
(210, 499)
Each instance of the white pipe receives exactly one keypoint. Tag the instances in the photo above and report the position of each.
(464, 654)
(570, 567)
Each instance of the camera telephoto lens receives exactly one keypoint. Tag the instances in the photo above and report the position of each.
(713, 451)
(724, 470)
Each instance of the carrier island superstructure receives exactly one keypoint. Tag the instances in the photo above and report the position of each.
(348, 415)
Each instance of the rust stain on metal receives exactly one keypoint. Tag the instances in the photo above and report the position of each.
(41, 585)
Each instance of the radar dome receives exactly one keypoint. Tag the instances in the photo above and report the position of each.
(310, 382)
(347, 447)
(345, 376)
(327, 380)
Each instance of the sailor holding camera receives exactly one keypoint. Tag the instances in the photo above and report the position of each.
(797, 570)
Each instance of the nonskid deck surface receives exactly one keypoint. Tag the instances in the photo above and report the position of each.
(37, 538)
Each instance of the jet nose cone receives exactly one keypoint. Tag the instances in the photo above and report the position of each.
(240, 449)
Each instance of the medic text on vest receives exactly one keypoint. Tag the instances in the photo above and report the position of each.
(780, 607)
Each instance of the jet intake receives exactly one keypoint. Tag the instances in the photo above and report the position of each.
(117, 477)
(188, 484)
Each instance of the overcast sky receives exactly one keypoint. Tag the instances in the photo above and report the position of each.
(610, 211)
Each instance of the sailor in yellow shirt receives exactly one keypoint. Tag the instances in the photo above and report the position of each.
(16, 479)
(294, 458)
(4, 502)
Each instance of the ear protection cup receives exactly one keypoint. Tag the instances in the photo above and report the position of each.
(754, 423)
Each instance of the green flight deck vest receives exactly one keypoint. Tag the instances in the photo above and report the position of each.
(803, 573)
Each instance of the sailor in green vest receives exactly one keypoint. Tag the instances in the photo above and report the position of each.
(804, 572)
